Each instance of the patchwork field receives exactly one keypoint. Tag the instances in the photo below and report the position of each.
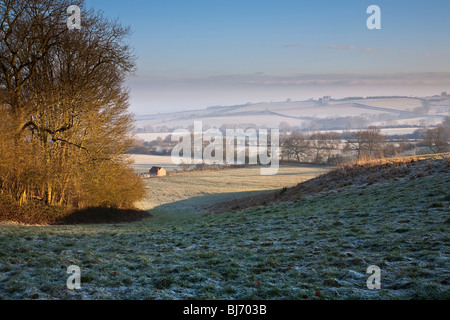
(411, 111)
(396, 104)
(313, 247)
(331, 111)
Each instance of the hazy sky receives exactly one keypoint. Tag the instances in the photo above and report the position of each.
(198, 53)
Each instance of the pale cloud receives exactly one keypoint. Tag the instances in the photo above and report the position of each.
(341, 47)
(332, 79)
(371, 50)
(352, 48)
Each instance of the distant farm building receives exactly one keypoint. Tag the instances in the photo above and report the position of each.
(157, 172)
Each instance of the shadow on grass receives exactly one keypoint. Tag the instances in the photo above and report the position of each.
(101, 215)
(217, 203)
(34, 213)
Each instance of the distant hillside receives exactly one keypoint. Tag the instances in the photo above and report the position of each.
(325, 114)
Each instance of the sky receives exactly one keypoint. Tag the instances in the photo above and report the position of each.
(198, 53)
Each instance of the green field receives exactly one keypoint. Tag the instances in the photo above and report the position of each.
(316, 247)
(190, 193)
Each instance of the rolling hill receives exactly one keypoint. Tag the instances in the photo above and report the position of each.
(313, 241)
(384, 111)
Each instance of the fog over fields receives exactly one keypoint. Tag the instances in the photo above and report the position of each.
(397, 115)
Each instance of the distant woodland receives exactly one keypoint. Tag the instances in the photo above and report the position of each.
(330, 147)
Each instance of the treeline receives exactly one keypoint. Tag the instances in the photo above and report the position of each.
(64, 124)
(333, 148)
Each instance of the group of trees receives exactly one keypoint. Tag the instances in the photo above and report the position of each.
(367, 144)
(324, 147)
(64, 124)
(159, 146)
(315, 147)
(330, 147)
(437, 139)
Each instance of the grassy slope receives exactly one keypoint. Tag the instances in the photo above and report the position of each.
(185, 193)
(278, 251)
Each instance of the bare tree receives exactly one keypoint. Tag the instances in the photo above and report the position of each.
(65, 104)
(437, 140)
(297, 147)
(367, 143)
(323, 144)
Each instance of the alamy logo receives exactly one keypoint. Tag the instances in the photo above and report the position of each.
(74, 281)
(74, 21)
(238, 147)
(374, 21)
(374, 281)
